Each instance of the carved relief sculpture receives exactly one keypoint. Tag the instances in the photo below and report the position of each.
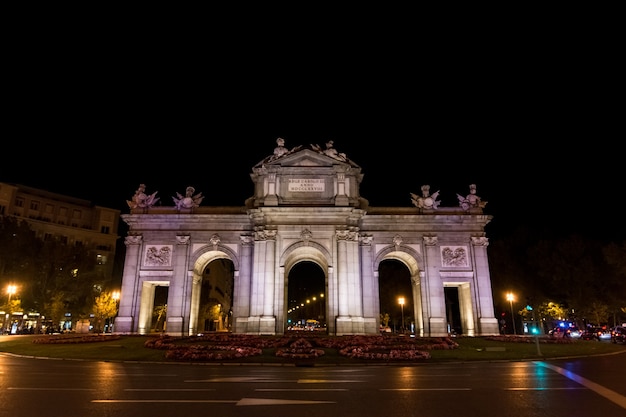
(158, 256)
(454, 256)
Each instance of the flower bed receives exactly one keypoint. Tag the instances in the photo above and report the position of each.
(300, 349)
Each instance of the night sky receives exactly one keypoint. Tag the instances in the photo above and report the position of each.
(532, 122)
(566, 187)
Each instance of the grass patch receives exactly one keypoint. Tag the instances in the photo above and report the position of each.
(131, 348)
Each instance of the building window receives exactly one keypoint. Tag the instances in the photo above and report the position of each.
(49, 208)
(77, 214)
(19, 202)
(105, 230)
(34, 205)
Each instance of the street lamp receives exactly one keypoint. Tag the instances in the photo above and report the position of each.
(11, 289)
(401, 301)
(115, 295)
(510, 298)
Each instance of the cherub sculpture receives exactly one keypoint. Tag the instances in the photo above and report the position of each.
(189, 200)
(426, 201)
(471, 200)
(141, 199)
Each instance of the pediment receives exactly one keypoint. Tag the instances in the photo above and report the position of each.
(306, 157)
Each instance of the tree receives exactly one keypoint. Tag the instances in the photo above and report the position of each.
(105, 307)
(384, 319)
(159, 313)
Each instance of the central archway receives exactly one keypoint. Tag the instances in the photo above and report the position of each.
(306, 298)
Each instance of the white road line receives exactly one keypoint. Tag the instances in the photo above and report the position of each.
(425, 389)
(241, 402)
(597, 388)
(52, 389)
(300, 389)
(169, 389)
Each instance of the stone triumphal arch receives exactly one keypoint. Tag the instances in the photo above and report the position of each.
(236, 268)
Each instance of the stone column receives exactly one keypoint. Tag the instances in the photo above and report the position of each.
(437, 321)
(342, 273)
(371, 300)
(341, 199)
(262, 300)
(125, 322)
(353, 275)
(242, 289)
(483, 297)
(271, 199)
(179, 292)
(270, 273)
(370, 296)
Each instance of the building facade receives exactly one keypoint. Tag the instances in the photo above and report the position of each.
(306, 211)
(72, 220)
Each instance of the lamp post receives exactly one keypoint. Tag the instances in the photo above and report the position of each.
(115, 295)
(401, 301)
(11, 289)
(510, 298)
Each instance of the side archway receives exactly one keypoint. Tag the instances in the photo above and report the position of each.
(212, 290)
(398, 266)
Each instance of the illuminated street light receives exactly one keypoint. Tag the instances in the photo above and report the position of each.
(11, 289)
(510, 298)
(401, 301)
(115, 295)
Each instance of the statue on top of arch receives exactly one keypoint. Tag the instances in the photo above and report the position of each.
(280, 150)
(471, 200)
(189, 200)
(426, 201)
(141, 199)
(330, 151)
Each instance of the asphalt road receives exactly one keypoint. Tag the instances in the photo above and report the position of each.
(592, 386)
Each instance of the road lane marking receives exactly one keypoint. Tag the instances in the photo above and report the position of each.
(169, 389)
(51, 389)
(266, 380)
(542, 389)
(597, 388)
(241, 402)
(425, 389)
(167, 401)
(300, 389)
(269, 401)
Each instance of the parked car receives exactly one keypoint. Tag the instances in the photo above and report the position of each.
(595, 333)
(618, 334)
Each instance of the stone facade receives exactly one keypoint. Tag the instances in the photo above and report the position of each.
(306, 207)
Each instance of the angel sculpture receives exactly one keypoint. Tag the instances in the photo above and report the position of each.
(426, 201)
(189, 200)
(141, 199)
(471, 200)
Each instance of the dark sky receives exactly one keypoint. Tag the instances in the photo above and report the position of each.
(536, 124)
(555, 183)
